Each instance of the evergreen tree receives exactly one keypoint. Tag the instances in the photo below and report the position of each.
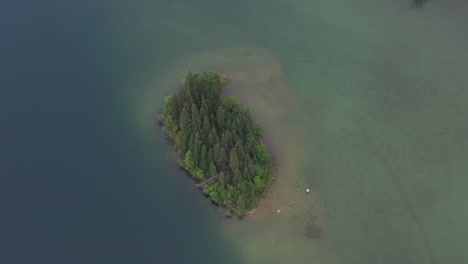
(210, 159)
(220, 155)
(233, 160)
(195, 118)
(192, 143)
(189, 163)
(215, 134)
(262, 154)
(213, 119)
(246, 174)
(222, 179)
(240, 206)
(197, 148)
(212, 137)
(237, 176)
(206, 128)
(250, 167)
(221, 117)
(204, 108)
(203, 158)
(184, 122)
(259, 184)
(212, 170)
(227, 140)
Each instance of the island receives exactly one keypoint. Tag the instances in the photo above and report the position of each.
(218, 143)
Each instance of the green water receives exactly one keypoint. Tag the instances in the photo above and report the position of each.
(382, 101)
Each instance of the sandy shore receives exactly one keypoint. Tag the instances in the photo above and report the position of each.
(257, 81)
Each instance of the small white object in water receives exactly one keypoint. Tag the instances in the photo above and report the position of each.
(307, 190)
(278, 211)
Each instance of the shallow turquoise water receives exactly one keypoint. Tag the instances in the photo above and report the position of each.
(383, 98)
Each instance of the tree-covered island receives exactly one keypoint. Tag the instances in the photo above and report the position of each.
(218, 142)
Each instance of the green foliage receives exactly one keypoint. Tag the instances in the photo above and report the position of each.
(212, 170)
(218, 142)
(204, 158)
(262, 154)
(228, 213)
(240, 206)
(189, 163)
(259, 184)
(191, 166)
(222, 179)
(233, 160)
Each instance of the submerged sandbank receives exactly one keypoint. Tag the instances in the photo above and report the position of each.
(298, 232)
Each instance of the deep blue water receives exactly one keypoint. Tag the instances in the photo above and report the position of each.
(76, 186)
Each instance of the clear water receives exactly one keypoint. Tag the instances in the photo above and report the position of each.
(380, 97)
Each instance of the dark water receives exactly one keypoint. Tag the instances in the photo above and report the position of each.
(76, 185)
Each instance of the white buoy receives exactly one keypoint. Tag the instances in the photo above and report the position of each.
(307, 190)
(278, 211)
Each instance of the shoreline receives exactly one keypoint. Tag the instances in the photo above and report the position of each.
(257, 82)
(288, 212)
(276, 130)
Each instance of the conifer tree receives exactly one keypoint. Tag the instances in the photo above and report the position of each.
(219, 154)
(240, 205)
(203, 158)
(192, 143)
(221, 117)
(215, 134)
(212, 137)
(233, 160)
(246, 174)
(197, 149)
(211, 156)
(222, 179)
(237, 178)
(206, 128)
(212, 170)
(184, 122)
(204, 108)
(195, 118)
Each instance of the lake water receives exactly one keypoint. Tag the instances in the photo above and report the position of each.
(379, 106)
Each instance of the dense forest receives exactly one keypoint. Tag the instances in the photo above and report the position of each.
(218, 142)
